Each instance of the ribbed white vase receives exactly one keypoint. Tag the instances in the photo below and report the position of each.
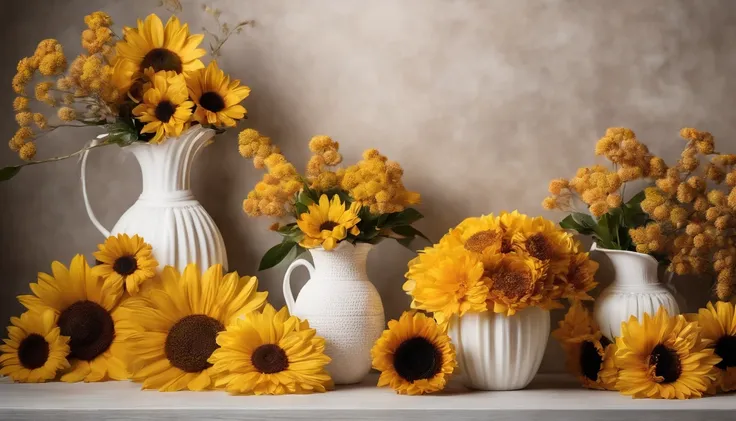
(499, 352)
(166, 214)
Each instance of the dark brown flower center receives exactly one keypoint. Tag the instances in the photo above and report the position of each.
(512, 284)
(164, 111)
(191, 342)
(33, 351)
(328, 225)
(125, 265)
(212, 101)
(161, 59)
(417, 358)
(666, 362)
(269, 359)
(481, 240)
(726, 349)
(539, 247)
(90, 329)
(590, 360)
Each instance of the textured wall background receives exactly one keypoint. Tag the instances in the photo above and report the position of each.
(482, 102)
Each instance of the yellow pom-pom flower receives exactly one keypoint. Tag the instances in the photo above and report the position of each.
(27, 151)
(20, 103)
(67, 114)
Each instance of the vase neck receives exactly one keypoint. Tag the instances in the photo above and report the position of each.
(166, 167)
(631, 268)
(344, 263)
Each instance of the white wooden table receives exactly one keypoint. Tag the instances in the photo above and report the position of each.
(549, 398)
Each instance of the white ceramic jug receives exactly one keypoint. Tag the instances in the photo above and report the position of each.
(342, 305)
(166, 214)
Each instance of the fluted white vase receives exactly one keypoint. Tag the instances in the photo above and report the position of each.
(166, 214)
(499, 352)
(635, 290)
(342, 304)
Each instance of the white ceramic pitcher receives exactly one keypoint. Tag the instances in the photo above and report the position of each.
(342, 305)
(166, 214)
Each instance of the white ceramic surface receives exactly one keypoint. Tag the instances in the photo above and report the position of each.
(635, 290)
(496, 352)
(343, 306)
(166, 214)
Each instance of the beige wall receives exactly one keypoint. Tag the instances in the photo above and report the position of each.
(482, 102)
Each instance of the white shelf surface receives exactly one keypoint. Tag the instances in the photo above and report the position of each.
(549, 398)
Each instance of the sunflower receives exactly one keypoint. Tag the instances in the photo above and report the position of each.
(168, 48)
(88, 314)
(446, 282)
(516, 282)
(216, 96)
(327, 223)
(664, 357)
(125, 262)
(541, 239)
(271, 353)
(590, 355)
(166, 108)
(482, 235)
(579, 279)
(35, 350)
(173, 325)
(719, 326)
(414, 355)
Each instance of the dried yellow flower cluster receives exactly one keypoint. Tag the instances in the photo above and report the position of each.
(325, 154)
(375, 182)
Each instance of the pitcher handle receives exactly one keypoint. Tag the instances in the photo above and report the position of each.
(288, 296)
(87, 206)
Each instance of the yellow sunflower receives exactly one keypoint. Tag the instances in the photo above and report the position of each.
(35, 350)
(216, 96)
(271, 353)
(590, 355)
(516, 282)
(88, 314)
(166, 108)
(414, 355)
(579, 279)
(447, 282)
(719, 326)
(162, 48)
(482, 235)
(664, 357)
(173, 325)
(328, 222)
(544, 240)
(125, 262)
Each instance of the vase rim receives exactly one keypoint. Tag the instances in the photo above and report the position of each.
(343, 245)
(187, 132)
(596, 247)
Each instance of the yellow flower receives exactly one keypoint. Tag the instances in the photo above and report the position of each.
(166, 108)
(515, 282)
(125, 263)
(580, 277)
(328, 222)
(719, 326)
(483, 235)
(414, 355)
(664, 357)
(24, 133)
(172, 326)
(67, 114)
(216, 96)
(27, 151)
(40, 121)
(447, 281)
(35, 350)
(88, 314)
(24, 118)
(271, 353)
(542, 239)
(98, 19)
(20, 103)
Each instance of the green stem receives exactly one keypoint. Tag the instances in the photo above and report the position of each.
(61, 158)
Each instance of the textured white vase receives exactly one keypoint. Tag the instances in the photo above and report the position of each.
(343, 306)
(635, 290)
(166, 214)
(499, 352)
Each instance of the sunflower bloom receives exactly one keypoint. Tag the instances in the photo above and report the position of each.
(271, 353)
(414, 355)
(166, 107)
(35, 350)
(216, 96)
(516, 282)
(172, 326)
(125, 262)
(719, 326)
(328, 222)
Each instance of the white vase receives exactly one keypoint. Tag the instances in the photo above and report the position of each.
(635, 290)
(499, 352)
(342, 305)
(166, 214)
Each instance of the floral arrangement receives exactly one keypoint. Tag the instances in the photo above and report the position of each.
(146, 85)
(686, 218)
(175, 331)
(363, 203)
(499, 263)
(659, 357)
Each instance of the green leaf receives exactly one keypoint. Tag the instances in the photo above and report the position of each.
(603, 231)
(637, 199)
(300, 208)
(406, 217)
(9, 172)
(276, 254)
(410, 232)
(580, 222)
(304, 198)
